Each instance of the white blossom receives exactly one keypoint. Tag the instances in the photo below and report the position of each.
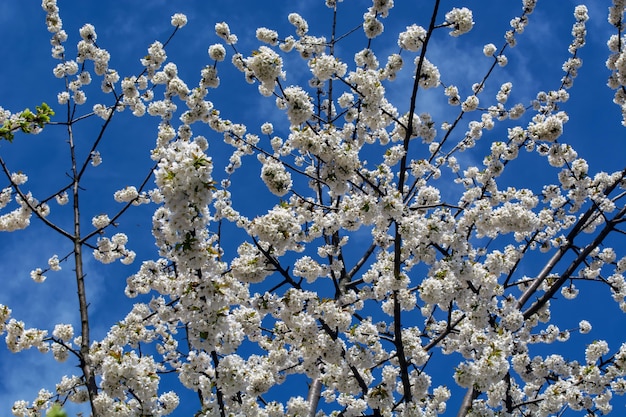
(179, 20)
(460, 20)
(217, 52)
(412, 39)
(37, 275)
(489, 49)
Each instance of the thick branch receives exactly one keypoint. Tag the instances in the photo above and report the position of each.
(466, 405)
(576, 230)
(85, 362)
(608, 228)
(315, 391)
(397, 267)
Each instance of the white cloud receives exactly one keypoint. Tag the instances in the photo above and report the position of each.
(44, 305)
(38, 305)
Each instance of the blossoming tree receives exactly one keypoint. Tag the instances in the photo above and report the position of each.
(393, 262)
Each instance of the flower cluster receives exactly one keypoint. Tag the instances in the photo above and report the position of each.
(223, 31)
(412, 39)
(19, 218)
(297, 103)
(280, 229)
(275, 176)
(184, 179)
(110, 250)
(326, 66)
(460, 20)
(266, 66)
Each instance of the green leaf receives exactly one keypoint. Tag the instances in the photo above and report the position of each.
(25, 121)
(56, 411)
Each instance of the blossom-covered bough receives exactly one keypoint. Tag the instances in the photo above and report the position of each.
(385, 246)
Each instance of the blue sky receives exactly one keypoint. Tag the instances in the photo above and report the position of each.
(127, 28)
